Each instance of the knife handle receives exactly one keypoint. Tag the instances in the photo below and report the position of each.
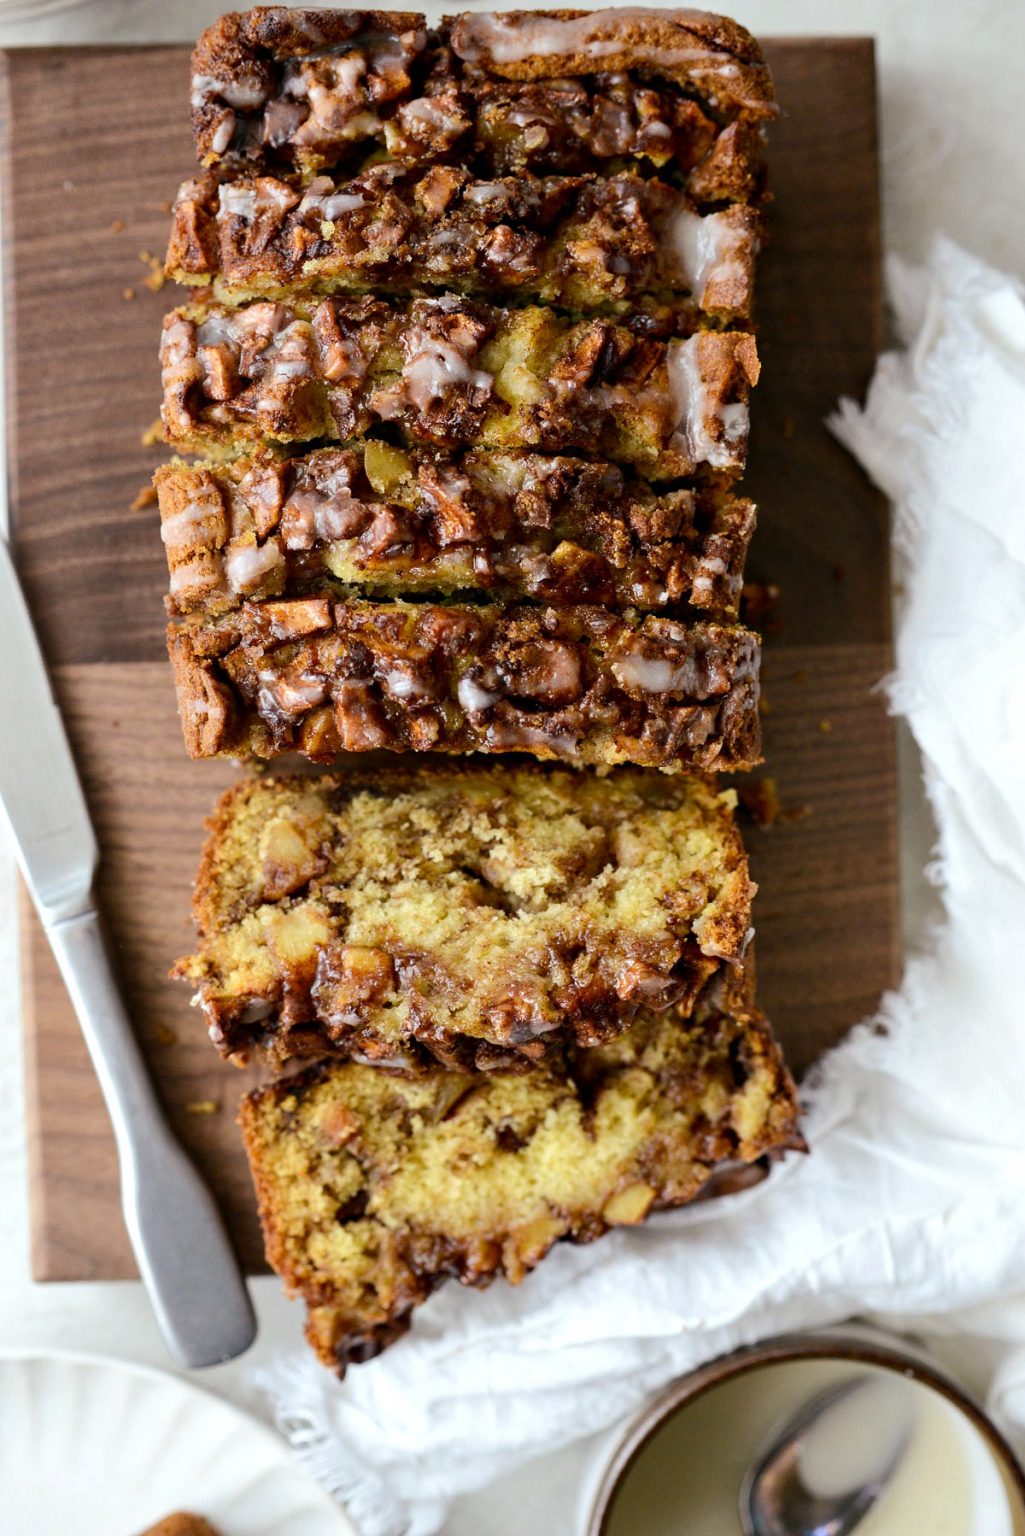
(184, 1256)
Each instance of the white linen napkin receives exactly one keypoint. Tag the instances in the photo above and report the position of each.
(911, 1208)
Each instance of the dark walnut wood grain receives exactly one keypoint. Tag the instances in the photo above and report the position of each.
(80, 203)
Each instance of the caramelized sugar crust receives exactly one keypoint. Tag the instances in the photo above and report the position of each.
(418, 521)
(322, 676)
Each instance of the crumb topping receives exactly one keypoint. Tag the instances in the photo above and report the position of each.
(456, 373)
(393, 520)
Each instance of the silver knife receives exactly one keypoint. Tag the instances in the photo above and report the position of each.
(184, 1256)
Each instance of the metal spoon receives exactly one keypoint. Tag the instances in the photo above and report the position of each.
(775, 1499)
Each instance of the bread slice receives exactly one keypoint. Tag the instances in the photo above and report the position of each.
(458, 374)
(322, 676)
(374, 1188)
(308, 85)
(710, 57)
(410, 521)
(477, 915)
(306, 90)
(583, 243)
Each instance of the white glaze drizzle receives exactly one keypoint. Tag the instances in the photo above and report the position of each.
(347, 71)
(292, 695)
(708, 571)
(193, 573)
(185, 526)
(706, 249)
(341, 203)
(651, 674)
(245, 92)
(327, 204)
(246, 200)
(403, 685)
(217, 330)
(561, 672)
(514, 735)
(253, 1012)
(237, 202)
(473, 698)
(288, 357)
(434, 367)
(246, 565)
(340, 517)
(203, 87)
(511, 39)
(484, 192)
(697, 413)
(425, 112)
(222, 134)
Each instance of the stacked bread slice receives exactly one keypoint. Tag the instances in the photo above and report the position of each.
(466, 363)
(477, 916)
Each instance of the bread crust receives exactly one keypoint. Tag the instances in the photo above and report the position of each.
(711, 53)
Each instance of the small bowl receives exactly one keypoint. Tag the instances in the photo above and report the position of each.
(856, 1346)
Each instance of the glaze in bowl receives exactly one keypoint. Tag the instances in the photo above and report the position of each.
(849, 1347)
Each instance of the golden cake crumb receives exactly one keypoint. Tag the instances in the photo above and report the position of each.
(477, 915)
(374, 1188)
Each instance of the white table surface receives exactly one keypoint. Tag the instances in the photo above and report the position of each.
(953, 160)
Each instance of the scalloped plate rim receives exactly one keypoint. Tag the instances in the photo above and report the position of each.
(262, 1434)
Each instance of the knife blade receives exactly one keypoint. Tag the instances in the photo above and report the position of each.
(184, 1256)
(39, 787)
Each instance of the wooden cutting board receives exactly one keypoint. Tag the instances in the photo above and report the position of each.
(95, 144)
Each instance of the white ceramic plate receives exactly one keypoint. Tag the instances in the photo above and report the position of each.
(92, 1447)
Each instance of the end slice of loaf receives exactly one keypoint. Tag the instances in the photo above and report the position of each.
(375, 1188)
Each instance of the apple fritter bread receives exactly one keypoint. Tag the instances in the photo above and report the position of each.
(480, 916)
(374, 1188)
(548, 92)
(583, 243)
(457, 373)
(323, 676)
(416, 521)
